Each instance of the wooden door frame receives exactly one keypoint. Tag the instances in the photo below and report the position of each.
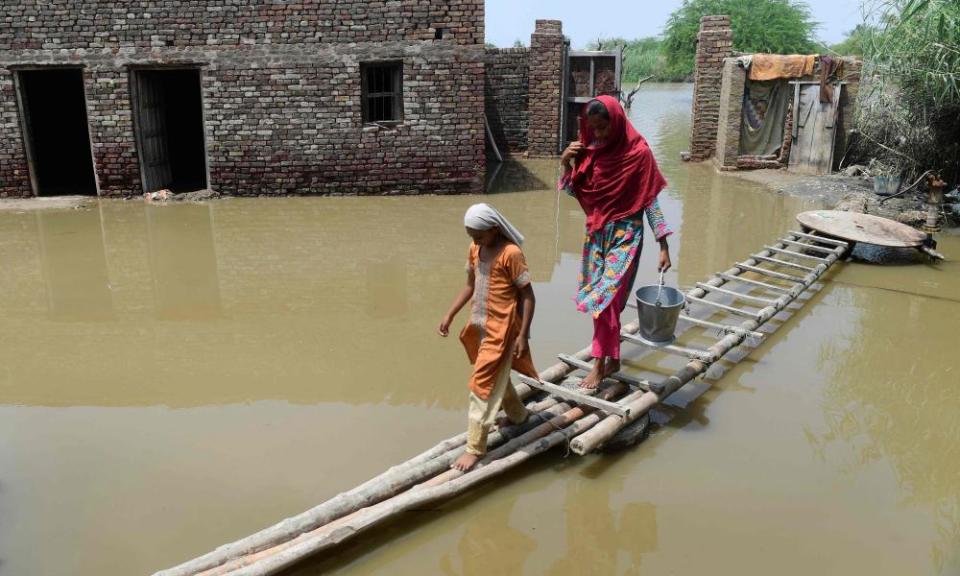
(26, 135)
(132, 70)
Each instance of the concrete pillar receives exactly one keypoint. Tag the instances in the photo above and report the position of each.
(730, 113)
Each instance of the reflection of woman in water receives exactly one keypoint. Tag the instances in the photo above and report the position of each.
(613, 174)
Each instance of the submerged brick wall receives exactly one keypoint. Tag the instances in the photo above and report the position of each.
(281, 87)
(506, 90)
(546, 71)
(714, 43)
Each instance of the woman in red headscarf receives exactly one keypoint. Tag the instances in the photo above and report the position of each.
(613, 174)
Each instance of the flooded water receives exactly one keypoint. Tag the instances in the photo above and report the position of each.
(176, 377)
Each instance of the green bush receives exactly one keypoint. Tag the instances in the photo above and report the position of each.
(855, 44)
(909, 112)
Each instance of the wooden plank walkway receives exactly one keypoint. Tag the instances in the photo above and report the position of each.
(561, 415)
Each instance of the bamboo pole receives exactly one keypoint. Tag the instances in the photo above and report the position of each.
(735, 294)
(546, 436)
(387, 484)
(599, 434)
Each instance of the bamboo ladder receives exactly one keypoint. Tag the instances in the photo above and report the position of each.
(560, 414)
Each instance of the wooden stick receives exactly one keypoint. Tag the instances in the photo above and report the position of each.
(735, 294)
(757, 283)
(383, 486)
(806, 246)
(573, 395)
(770, 273)
(671, 349)
(823, 239)
(275, 560)
(730, 309)
(795, 254)
(493, 141)
(725, 328)
(779, 262)
(581, 365)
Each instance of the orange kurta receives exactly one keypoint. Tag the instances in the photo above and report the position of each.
(495, 316)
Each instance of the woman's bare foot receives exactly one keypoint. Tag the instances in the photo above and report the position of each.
(595, 376)
(465, 462)
(602, 368)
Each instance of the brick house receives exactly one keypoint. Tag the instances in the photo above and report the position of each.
(245, 97)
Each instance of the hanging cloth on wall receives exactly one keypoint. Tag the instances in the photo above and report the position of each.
(774, 66)
(764, 114)
(829, 68)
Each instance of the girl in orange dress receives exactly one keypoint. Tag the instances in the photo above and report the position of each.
(496, 335)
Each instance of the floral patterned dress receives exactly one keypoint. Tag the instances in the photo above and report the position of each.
(609, 252)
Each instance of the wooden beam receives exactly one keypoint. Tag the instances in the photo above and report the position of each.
(725, 328)
(586, 366)
(730, 309)
(735, 294)
(795, 254)
(675, 349)
(779, 262)
(823, 239)
(756, 283)
(493, 141)
(813, 247)
(770, 273)
(578, 397)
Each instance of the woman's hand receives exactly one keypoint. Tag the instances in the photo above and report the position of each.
(664, 263)
(521, 345)
(566, 159)
(444, 329)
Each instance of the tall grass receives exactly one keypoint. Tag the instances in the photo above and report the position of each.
(909, 113)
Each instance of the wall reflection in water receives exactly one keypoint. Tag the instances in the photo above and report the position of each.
(183, 262)
(74, 265)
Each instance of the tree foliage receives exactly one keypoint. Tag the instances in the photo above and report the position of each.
(855, 44)
(775, 26)
(641, 57)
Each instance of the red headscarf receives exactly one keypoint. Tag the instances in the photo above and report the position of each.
(620, 176)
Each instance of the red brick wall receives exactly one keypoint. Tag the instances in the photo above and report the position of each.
(714, 43)
(281, 89)
(507, 90)
(546, 70)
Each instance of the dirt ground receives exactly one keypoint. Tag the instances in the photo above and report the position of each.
(850, 193)
(53, 202)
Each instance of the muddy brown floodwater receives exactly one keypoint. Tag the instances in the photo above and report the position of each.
(176, 377)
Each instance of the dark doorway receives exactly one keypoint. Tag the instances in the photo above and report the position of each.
(55, 129)
(168, 110)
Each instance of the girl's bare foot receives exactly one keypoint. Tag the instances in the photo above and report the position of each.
(595, 376)
(465, 462)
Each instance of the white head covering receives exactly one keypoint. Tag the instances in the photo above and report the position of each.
(485, 217)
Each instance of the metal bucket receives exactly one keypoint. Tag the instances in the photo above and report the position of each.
(658, 323)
